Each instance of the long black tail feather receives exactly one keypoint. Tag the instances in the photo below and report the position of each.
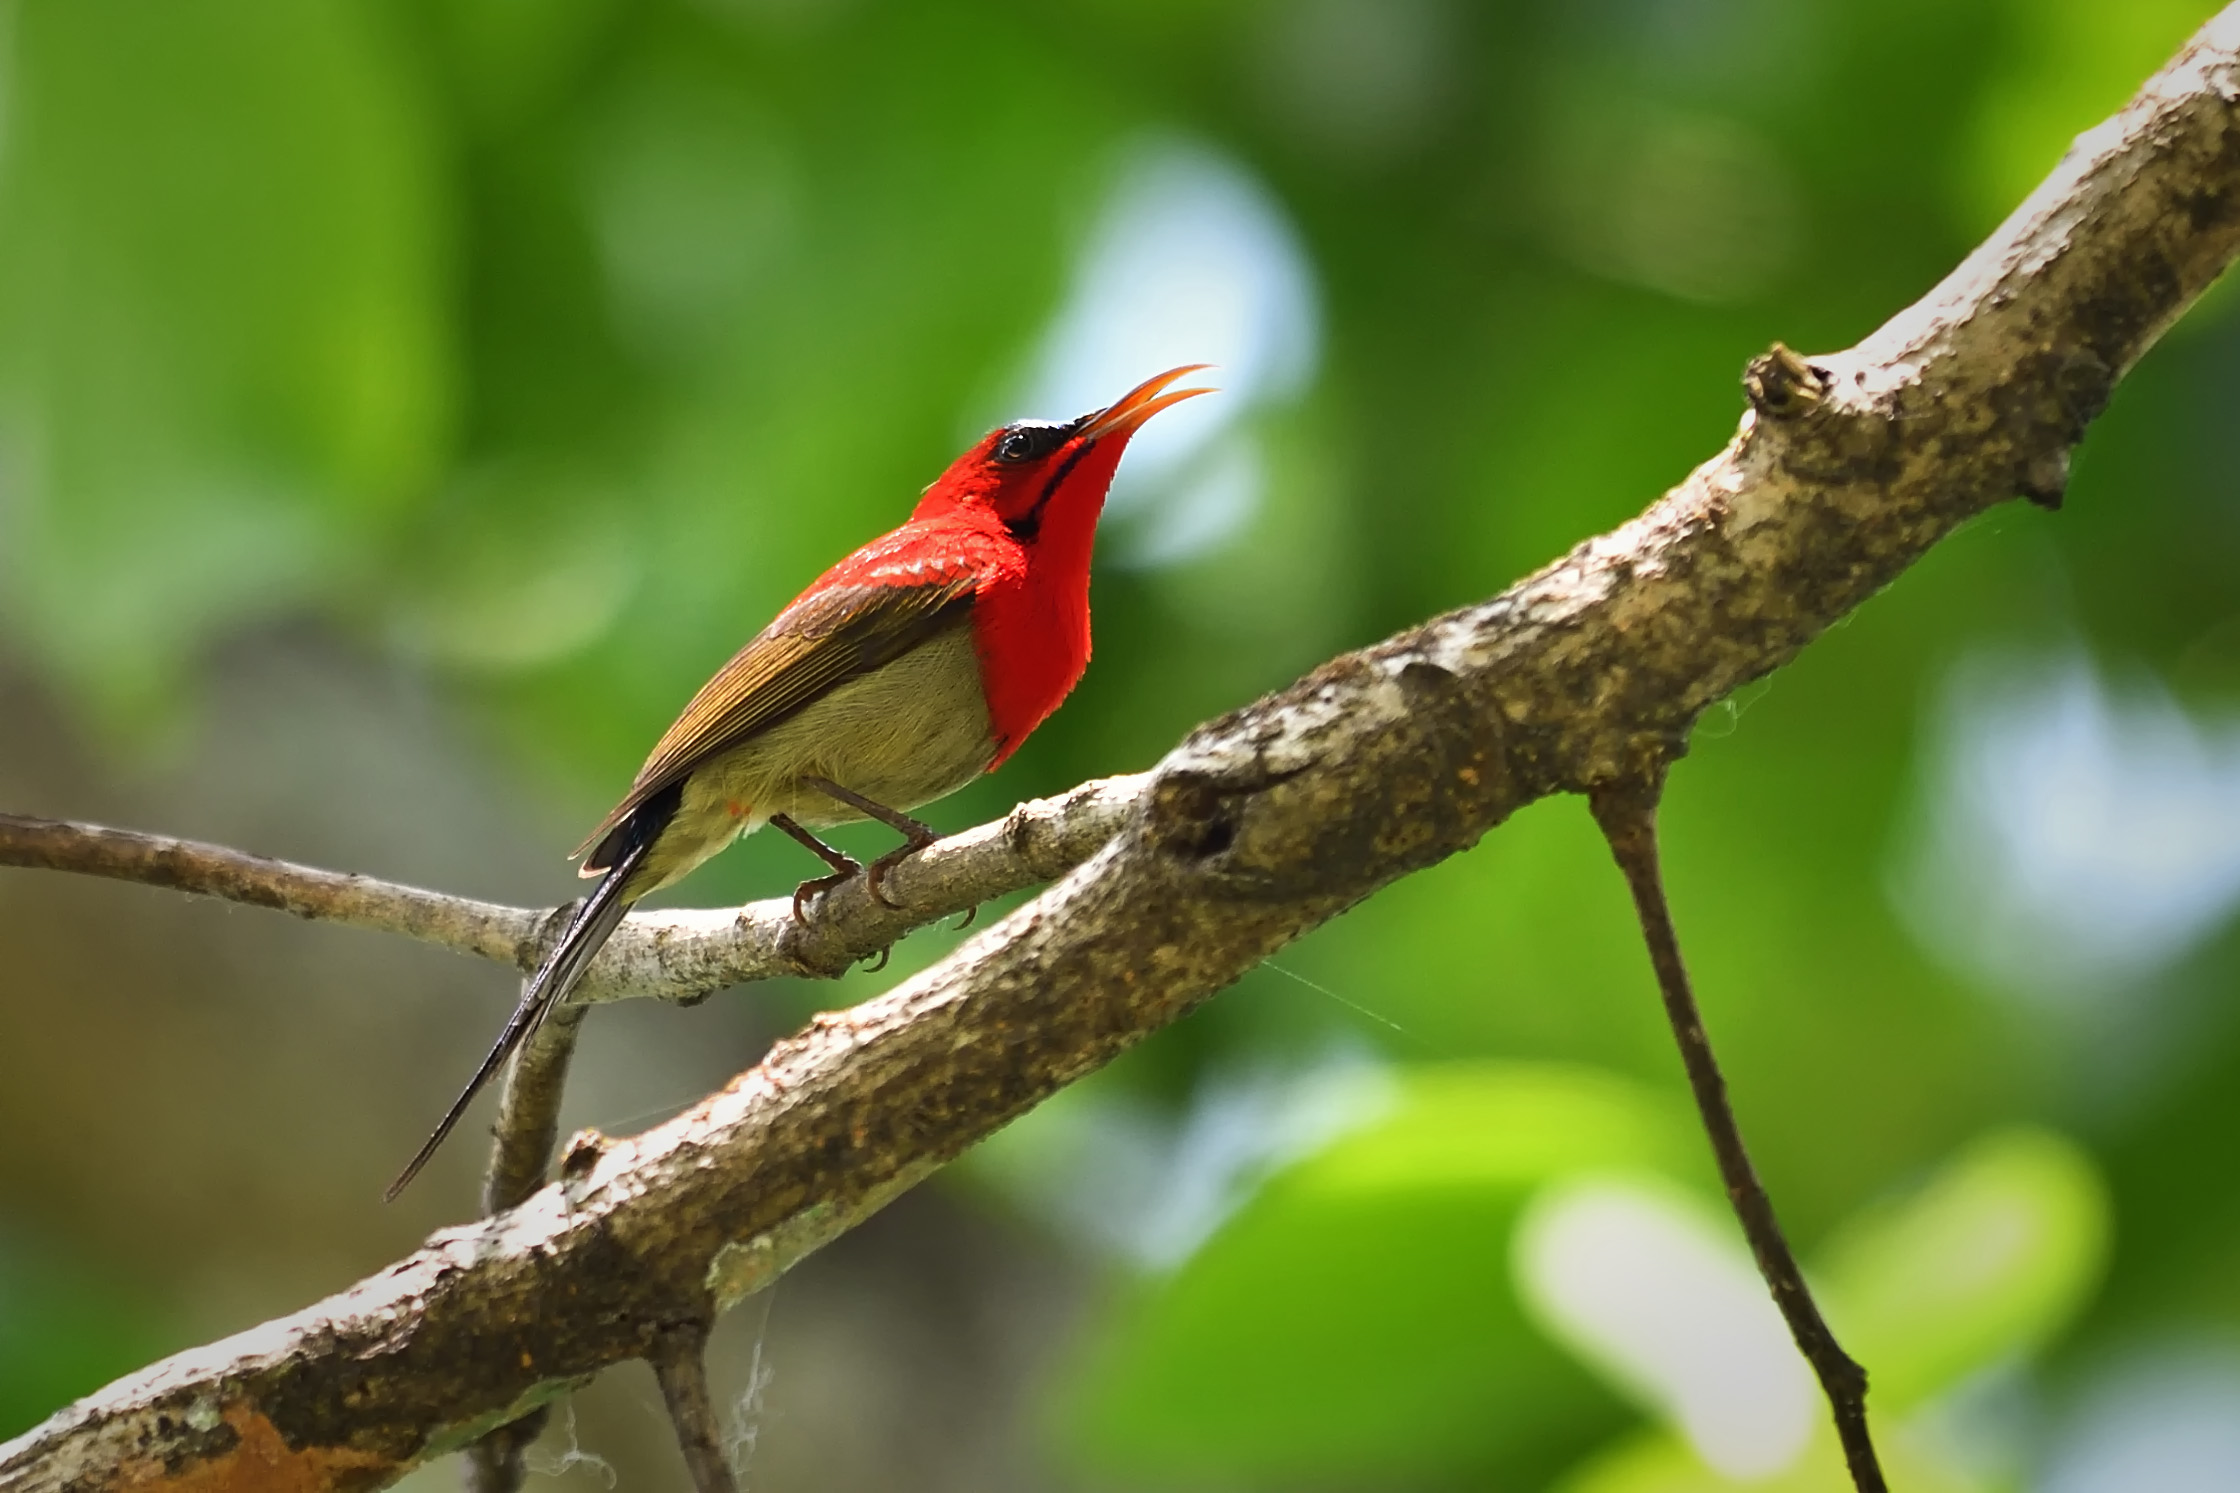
(594, 922)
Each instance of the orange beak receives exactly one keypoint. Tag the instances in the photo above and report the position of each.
(1142, 402)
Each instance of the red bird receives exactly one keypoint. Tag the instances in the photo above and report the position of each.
(901, 674)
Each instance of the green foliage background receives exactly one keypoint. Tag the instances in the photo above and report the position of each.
(522, 356)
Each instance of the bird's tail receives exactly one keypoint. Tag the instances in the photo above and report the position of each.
(587, 932)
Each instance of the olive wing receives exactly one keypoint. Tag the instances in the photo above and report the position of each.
(819, 643)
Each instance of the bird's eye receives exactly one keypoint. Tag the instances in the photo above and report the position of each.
(1026, 442)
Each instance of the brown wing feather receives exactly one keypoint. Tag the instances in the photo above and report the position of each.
(813, 646)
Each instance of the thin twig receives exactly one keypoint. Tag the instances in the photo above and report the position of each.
(529, 1112)
(499, 1462)
(676, 955)
(528, 1124)
(461, 924)
(1627, 812)
(680, 1364)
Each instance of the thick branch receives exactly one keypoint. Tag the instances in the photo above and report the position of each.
(1262, 825)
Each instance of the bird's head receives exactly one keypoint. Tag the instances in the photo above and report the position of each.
(1032, 472)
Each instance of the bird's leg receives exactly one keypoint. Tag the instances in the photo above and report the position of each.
(844, 867)
(916, 836)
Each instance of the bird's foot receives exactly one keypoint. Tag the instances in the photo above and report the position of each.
(916, 834)
(969, 914)
(844, 867)
(875, 877)
(817, 886)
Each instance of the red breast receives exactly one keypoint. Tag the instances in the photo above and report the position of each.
(1020, 509)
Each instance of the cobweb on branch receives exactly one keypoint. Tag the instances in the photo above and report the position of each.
(546, 1464)
(746, 1412)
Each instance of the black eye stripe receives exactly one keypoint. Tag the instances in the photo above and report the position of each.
(1028, 524)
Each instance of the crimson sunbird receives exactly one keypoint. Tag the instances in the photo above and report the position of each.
(901, 674)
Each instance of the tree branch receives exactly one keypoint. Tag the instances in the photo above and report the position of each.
(485, 929)
(521, 1143)
(676, 956)
(1627, 813)
(1260, 826)
(680, 1364)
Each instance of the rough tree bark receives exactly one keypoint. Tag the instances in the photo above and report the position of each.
(1259, 826)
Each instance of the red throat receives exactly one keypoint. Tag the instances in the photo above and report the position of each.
(1033, 631)
(1025, 501)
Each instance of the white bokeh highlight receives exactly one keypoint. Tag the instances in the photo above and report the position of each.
(1135, 1182)
(2168, 1421)
(2075, 836)
(1191, 260)
(1650, 1287)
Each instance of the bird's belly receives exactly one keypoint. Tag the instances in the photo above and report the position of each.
(905, 734)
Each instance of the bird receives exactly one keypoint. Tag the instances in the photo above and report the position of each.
(904, 672)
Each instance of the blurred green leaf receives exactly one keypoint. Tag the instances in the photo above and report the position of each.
(66, 1328)
(1659, 1462)
(223, 337)
(1986, 1262)
(1356, 1315)
(534, 566)
(2069, 64)
(1978, 1267)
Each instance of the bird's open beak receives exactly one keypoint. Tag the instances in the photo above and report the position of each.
(1142, 402)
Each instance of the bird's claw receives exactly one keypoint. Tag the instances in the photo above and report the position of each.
(969, 914)
(817, 886)
(875, 878)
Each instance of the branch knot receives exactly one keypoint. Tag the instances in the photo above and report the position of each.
(1783, 386)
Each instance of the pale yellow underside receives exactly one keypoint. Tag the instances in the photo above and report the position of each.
(903, 735)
